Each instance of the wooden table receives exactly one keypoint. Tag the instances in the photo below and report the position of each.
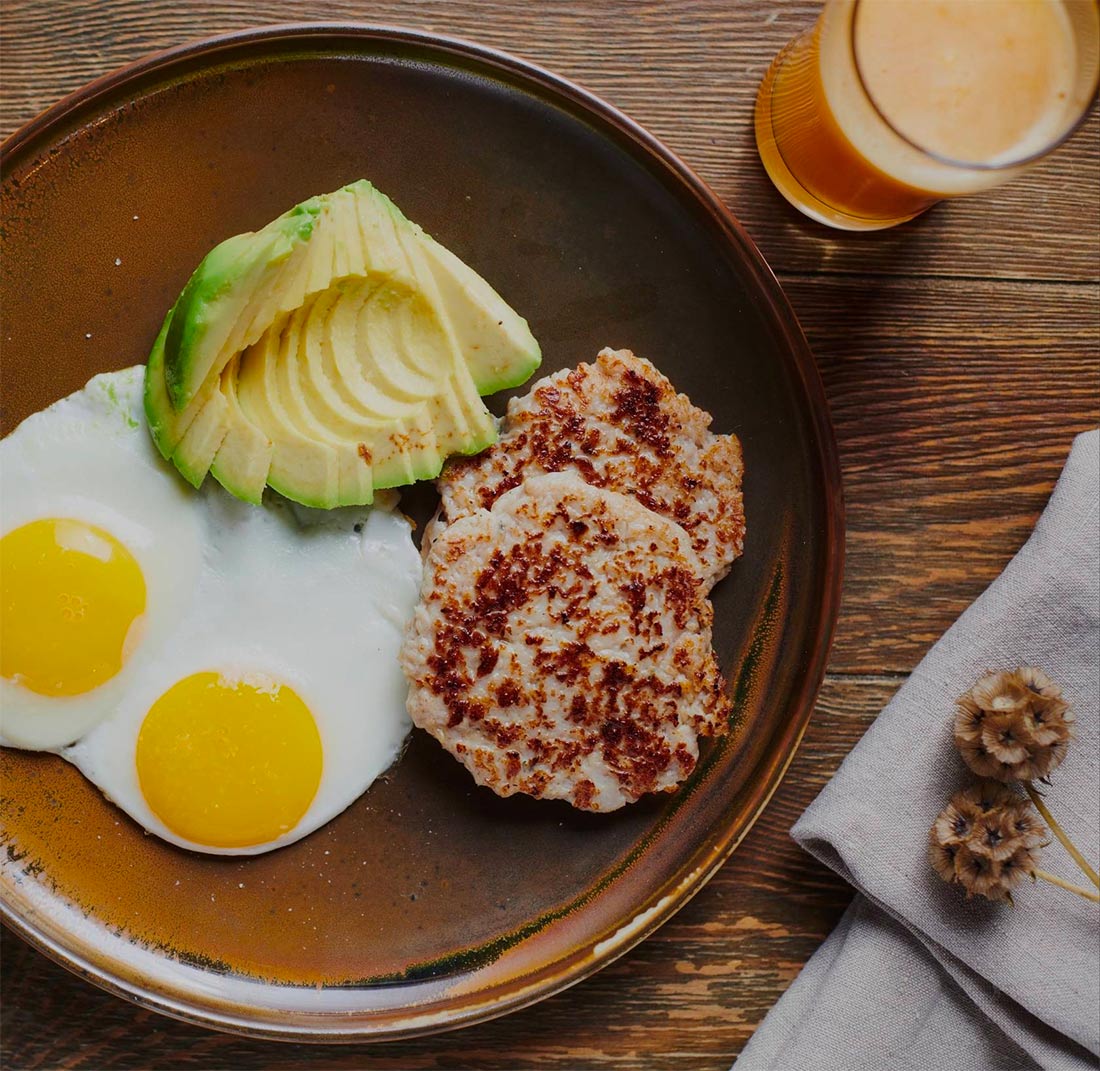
(961, 354)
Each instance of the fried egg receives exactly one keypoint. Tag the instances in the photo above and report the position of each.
(226, 674)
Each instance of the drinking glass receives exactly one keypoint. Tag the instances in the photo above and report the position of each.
(885, 107)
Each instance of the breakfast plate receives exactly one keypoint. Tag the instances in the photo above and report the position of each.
(430, 902)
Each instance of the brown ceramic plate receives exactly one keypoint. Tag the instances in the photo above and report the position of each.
(429, 903)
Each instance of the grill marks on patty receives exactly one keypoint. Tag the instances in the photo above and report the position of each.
(618, 424)
(562, 646)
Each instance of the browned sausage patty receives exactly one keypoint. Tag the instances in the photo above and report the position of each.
(562, 646)
(617, 424)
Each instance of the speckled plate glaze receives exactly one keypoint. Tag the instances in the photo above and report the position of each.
(429, 903)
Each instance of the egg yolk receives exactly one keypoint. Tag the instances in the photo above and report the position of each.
(229, 764)
(70, 595)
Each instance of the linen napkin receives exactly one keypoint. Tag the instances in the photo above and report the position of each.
(916, 976)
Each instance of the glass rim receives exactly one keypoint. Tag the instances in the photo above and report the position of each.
(970, 165)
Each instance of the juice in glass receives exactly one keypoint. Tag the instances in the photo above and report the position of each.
(885, 107)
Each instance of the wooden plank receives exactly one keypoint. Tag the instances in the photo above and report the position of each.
(688, 71)
(955, 404)
(687, 998)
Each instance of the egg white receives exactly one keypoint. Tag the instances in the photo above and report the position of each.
(89, 457)
(315, 600)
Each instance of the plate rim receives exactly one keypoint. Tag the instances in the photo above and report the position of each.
(582, 962)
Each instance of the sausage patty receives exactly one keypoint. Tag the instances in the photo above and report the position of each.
(562, 646)
(617, 424)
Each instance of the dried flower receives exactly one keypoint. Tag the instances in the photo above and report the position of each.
(1013, 725)
(1029, 829)
(981, 876)
(942, 857)
(984, 839)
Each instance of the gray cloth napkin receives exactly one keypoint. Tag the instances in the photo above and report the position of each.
(915, 976)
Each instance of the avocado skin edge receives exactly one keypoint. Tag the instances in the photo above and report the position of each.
(154, 367)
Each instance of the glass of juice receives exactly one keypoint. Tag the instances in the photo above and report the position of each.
(885, 107)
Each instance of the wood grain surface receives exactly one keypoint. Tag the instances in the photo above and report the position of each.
(961, 354)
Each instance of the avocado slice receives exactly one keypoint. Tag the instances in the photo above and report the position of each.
(489, 331)
(336, 351)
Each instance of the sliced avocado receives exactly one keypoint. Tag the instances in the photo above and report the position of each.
(494, 338)
(301, 467)
(168, 426)
(335, 351)
(201, 441)
(215, 307)
(243, 460)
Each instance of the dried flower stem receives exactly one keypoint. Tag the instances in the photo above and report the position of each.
(1088, 894)
(1060, 833)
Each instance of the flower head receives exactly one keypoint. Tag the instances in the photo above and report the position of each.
(985, 840)
(1013, 725)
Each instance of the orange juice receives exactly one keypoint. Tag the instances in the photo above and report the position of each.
(886, 106)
